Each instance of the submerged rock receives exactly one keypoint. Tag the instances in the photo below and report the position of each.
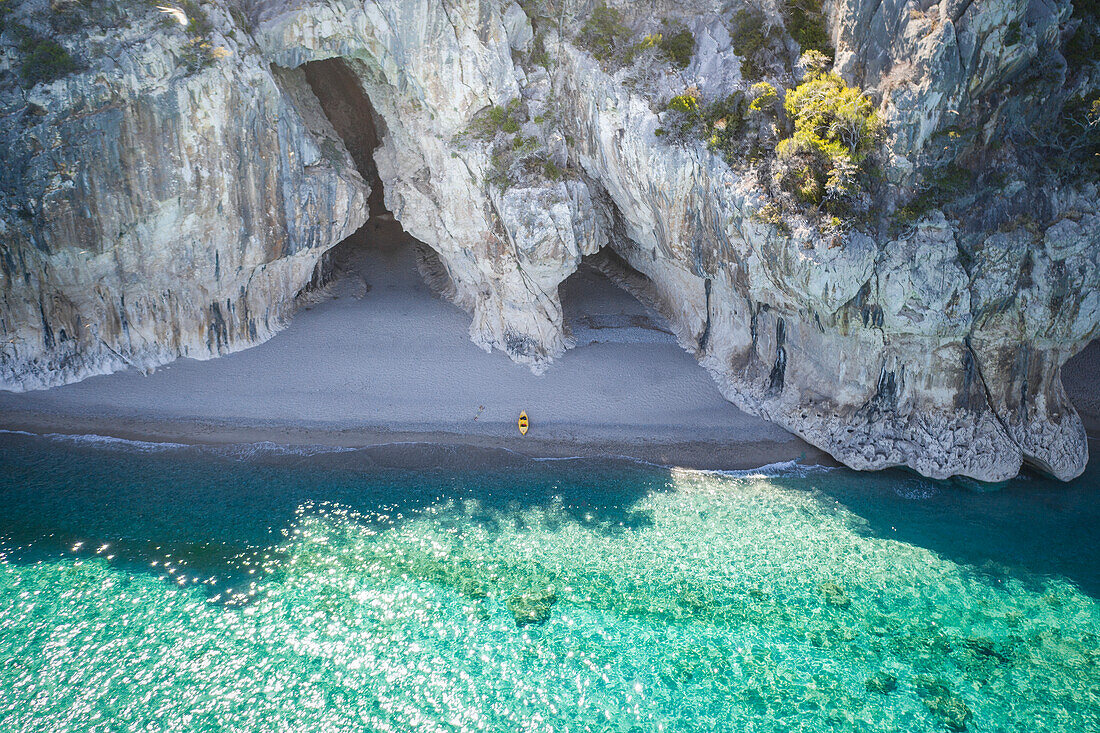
(834, 595)
(533, 606)
(946, 705)
(882, 682)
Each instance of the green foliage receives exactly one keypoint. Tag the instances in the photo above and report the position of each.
(751, 38)
(539, 55)
(44, 59)
(605, 34)
(686, 103)
(765, 97)
(198, 25)
(1076, 141)
(684, 115)
(833, 115)
(836, 128)
(505, 119)
(552, 171)
(1083, 47)
(806, 24)
(6, 8)
(772, 213)
(723, 122)
(678, 46)
(940, 187)
(1012, 33)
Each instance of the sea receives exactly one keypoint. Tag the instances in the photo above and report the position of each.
(415, 587)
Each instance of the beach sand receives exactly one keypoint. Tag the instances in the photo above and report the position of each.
(1081, 378)
(381, 359)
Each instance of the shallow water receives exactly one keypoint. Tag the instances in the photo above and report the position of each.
(153, 588)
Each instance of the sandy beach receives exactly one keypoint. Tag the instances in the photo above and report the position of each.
(1081, 378)
(381, 359)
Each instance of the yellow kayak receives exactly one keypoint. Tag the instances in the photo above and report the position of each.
(523, 423)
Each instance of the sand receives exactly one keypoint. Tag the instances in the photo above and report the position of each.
(383, 359)
(1081, 378)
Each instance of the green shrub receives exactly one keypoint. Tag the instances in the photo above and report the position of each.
(684, 113)
(1076, 140)
(836, 128)
(764, 97)
(506, 119)
(807, 25)
(678, 46)
(751, 39)
(772, 213)
(686, 103)
(198, 25)
(605, 34)
(44, 59)
(1083, 47)
(552, 171)
(723, 121)
(6, 8)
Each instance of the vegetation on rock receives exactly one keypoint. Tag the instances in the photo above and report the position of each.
(825, 160)
(44, 59)
(752, 35)
(605, 34)
(816, 145)
(806, 24)
(514, 156)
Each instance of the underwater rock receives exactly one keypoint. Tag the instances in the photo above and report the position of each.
(882, 682)
(945, 704)
(834, 595)
(533, 605)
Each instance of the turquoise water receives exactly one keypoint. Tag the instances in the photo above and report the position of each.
(246, 590)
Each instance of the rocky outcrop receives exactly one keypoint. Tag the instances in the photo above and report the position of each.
(512, 152)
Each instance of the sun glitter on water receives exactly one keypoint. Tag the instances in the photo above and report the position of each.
(744, 602)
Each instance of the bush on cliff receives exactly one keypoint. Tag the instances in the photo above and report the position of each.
(605, 34)
(752, 36)
(826, 159)
(44, 59)
(807, 25)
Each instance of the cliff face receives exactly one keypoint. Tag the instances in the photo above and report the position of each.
(151, 210)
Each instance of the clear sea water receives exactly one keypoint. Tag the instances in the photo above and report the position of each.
(148, 588)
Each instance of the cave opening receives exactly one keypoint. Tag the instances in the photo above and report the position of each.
(608, 301)
(353, 117)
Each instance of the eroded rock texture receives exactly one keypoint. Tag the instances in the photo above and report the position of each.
(153, 210)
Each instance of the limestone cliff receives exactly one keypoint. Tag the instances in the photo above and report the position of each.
(902, 290)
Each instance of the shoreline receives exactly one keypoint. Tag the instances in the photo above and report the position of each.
(679, 451)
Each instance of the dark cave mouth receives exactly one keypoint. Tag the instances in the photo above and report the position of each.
(608, 301)
(355, 120)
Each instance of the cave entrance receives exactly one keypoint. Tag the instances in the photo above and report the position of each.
(349, 110)
(608, 301)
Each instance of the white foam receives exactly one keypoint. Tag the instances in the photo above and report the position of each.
(241, 451)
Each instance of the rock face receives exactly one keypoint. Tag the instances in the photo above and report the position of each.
(152, 211)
